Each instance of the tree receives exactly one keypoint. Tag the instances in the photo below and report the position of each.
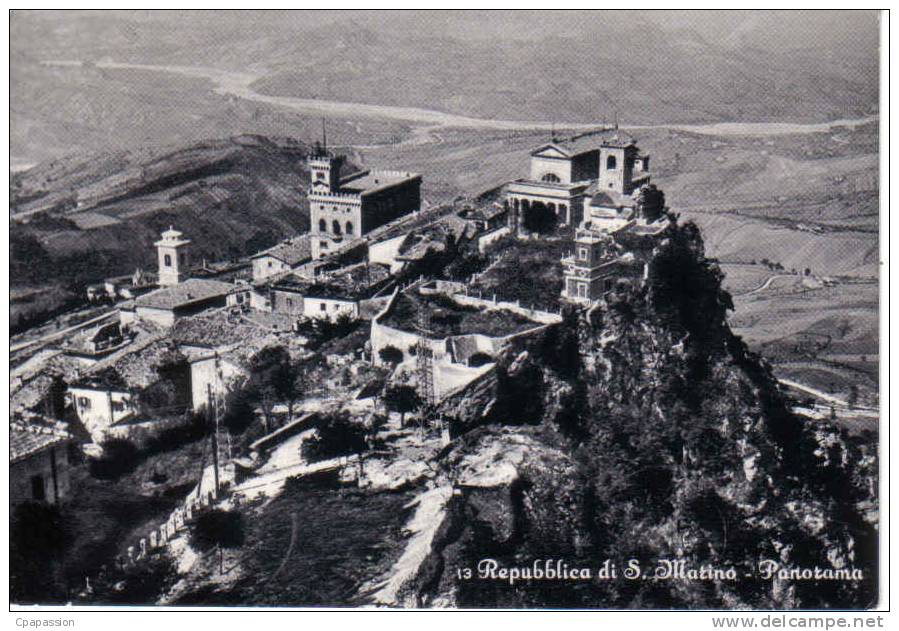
(852, 400)
(218, 529)
(273, 378)
(38, 538)
(402, 398)
(238, 414)
(391, 355)
(337, 435)
(120, 456)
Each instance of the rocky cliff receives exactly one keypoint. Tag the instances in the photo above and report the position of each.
(645, 431)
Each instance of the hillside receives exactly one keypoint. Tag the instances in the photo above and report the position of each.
(579, 67)
(79, 219)
(647, 431)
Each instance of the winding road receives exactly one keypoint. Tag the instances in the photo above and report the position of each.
(427, 121)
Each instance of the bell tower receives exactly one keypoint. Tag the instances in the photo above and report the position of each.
(324, 167)
(173, 257)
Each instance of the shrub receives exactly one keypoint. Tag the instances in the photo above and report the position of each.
(337, 436)
(120, 456)
(218, 529)
(391, 355)
(479, 359)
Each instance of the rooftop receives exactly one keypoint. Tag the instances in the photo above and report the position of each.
(136, 368)
(371, 181)
(433, 238)
(611, 199)
(488, 212)
(292, 252)
(445, 317)
(590, 141)
(190, 291)
(172, 237)
(27, 439)
(216, 329)
(352, 283)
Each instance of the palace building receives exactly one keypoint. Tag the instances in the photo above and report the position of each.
(347, 207)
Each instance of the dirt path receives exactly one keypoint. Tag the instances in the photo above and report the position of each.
(239, 84)
(62, 333)
(765, 285)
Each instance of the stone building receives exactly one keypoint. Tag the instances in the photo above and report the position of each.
(38, 464)
(283, 257)
(596, 266)
(178, 295)
(566, 174)
(345, 208)
(174, 262)
(344, 292)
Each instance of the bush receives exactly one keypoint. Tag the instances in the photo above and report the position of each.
(120, 456)
(391, 355)
(38, 538)
(479, 359)
(218, 529)
(140, 584)
(336, 436)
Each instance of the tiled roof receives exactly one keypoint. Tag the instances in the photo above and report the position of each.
(215, 330)
(612, 199)
(353, 283)
(25, 440)
(590, 142)
(293, 251)
(137, 366)
(190, 291)
(369, 181)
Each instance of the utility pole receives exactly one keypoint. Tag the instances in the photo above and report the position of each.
(211, 407)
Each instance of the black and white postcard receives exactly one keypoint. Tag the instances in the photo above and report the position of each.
(446, 310)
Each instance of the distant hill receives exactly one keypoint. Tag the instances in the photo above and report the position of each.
(79, 219)
(650, 67)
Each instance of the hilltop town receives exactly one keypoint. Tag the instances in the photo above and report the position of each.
(418, 361)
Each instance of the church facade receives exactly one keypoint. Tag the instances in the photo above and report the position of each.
(566, 175)
(345, 208)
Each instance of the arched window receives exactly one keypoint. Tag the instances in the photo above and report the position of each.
(322, 225)
(335, 226)
(611, 163)
(168, 260)
(349, 227)
(550, 177)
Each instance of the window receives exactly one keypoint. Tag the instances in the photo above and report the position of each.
(269, 264)
(349, 227)
(323, 307)
(335, 307)
(84, 403)
(323, 245)
(322, 225)
(38, 492)
(582, 290)
(551, 177)
(118, 406)
(289, 302)
(335, 227)
(611, 163)
(582, 254)
(319, 175)
(168, 260)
